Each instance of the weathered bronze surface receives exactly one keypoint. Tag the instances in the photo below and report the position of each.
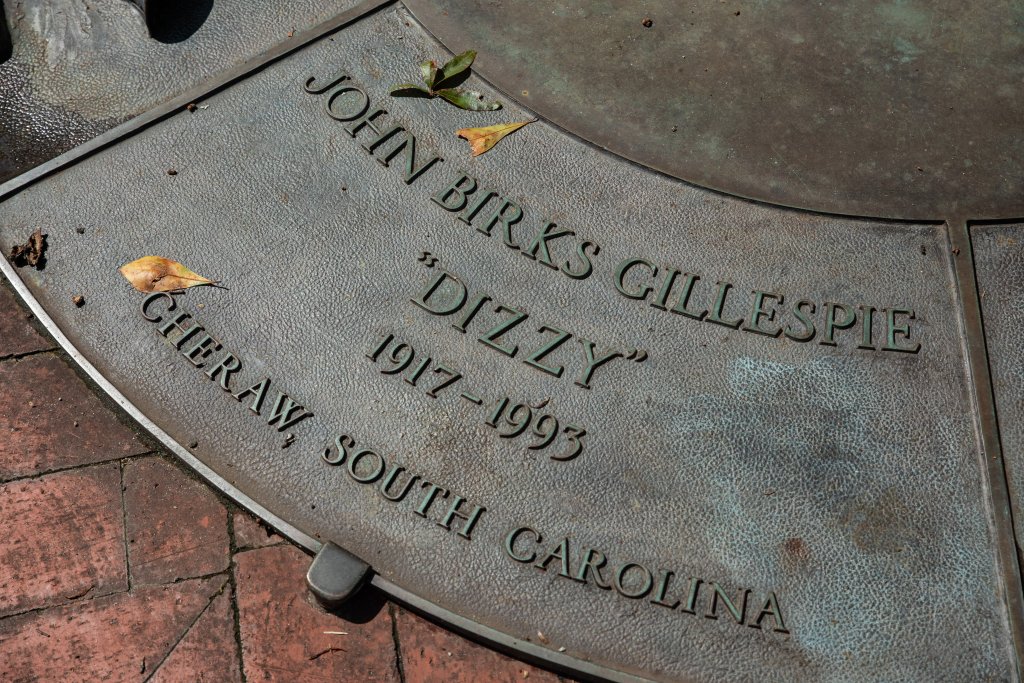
(75, 70)
(898, 109)
(627, 425)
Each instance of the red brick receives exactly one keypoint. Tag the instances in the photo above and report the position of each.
(209, 652)
(176, 526)
(117, 638)
(251, 533)
(431, 654)
(64, 538)
(17, 336)
(282, 630)
(50, 419)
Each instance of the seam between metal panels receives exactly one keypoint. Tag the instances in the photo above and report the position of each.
(987, 427)
(367, 7)
(217, 83)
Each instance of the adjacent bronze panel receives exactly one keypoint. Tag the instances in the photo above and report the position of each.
(905, 109)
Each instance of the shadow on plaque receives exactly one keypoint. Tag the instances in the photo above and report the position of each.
(362, 607)
(5, 38)
(174, 21)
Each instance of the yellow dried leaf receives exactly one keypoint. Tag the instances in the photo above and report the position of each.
(158, 274)
(482, 139)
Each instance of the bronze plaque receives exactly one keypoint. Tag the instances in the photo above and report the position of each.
(686, 380)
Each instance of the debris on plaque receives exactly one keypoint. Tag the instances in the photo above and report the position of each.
(442, 82)
(481, 140)
(32, 252)
(159, 274)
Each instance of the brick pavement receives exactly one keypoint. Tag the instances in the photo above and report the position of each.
(118, 564)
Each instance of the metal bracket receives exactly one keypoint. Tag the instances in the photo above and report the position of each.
(335, 575)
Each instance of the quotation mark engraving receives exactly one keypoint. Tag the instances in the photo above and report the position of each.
(428, 259)
(638, 355)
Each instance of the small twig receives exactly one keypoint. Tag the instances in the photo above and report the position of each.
(81, 594)
(318, 655)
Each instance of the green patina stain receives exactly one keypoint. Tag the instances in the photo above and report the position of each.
(906, 16)
(906, 50)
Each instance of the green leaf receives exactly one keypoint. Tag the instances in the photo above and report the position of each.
(410, 90)
(429, 71)
(468, 99)
(453, 68)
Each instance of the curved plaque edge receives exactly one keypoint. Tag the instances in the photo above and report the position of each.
(494, 638)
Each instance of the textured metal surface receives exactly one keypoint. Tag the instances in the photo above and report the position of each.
(846, 481)
(903, 109)
(77, 69)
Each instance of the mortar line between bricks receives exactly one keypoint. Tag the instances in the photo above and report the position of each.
(399, 664)
(188, 629)
(82, 599)
(80, 466)
(237, 623)
(186, 579)
(124, 525)
(29, 354)
(236, 617)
